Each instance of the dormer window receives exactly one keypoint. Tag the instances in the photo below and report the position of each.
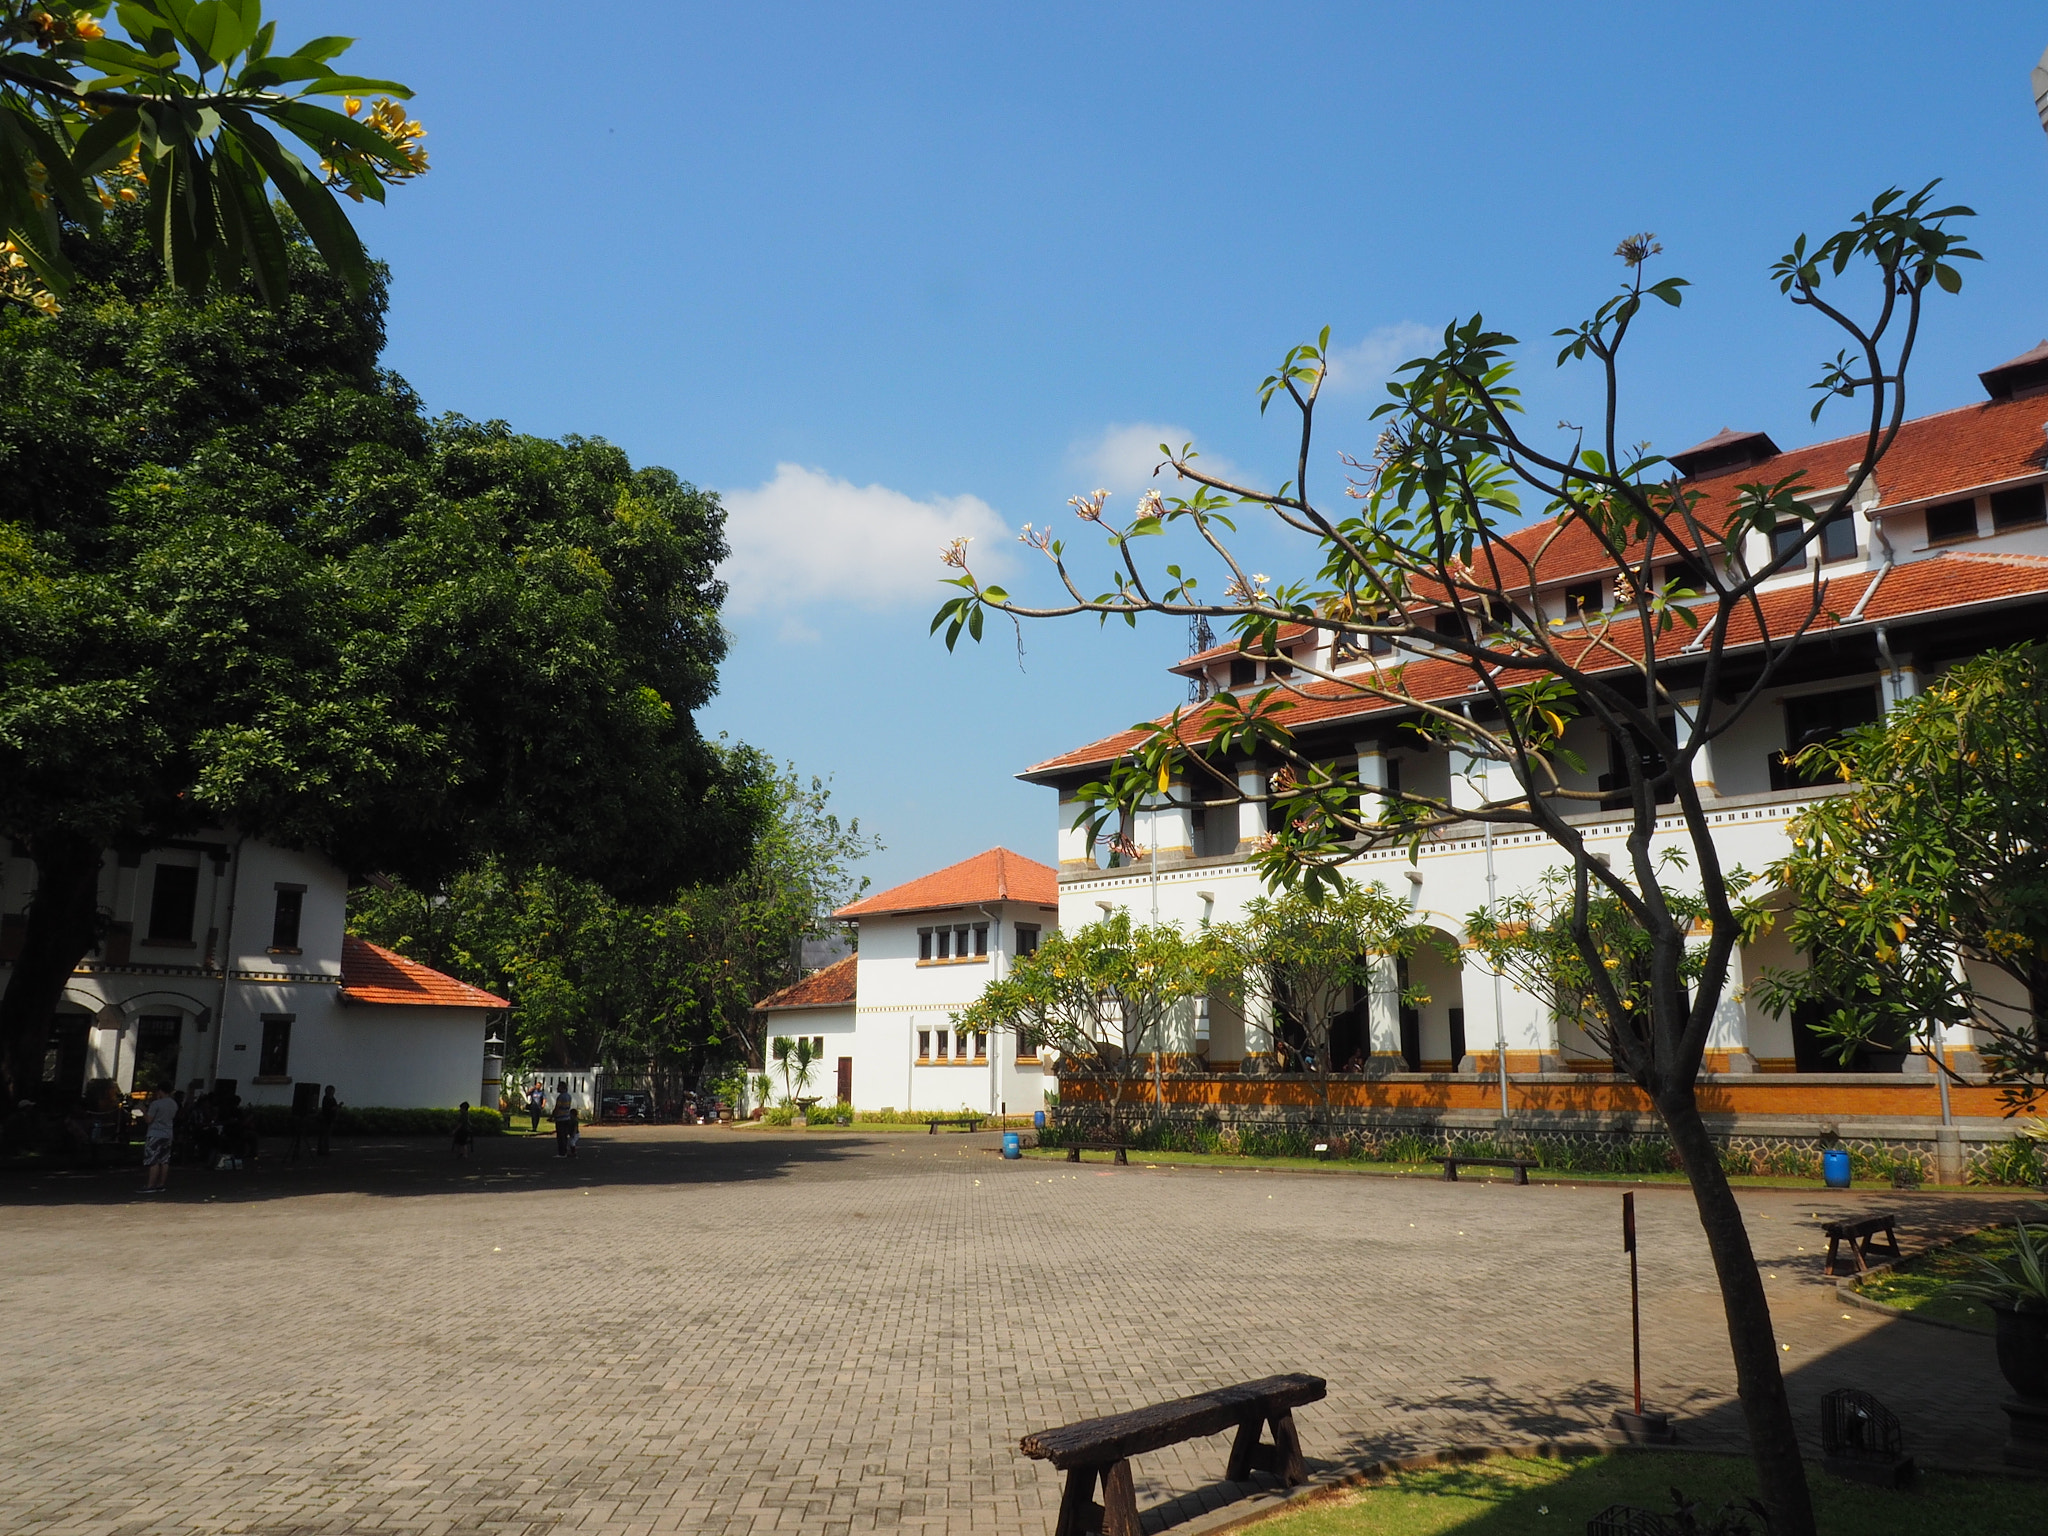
(1785, 543)
(2023, 507)
(1952, 520)
(1447, 622)
(1838, 537)
(1243, 672)
(1280, 666)
(1583, 599)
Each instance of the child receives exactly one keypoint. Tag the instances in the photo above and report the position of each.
(462, 1131)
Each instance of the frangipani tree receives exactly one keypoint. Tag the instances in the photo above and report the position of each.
(1103, 996)
(1308, 955)
(1419, 550)
(185, 113)
(1921, 894)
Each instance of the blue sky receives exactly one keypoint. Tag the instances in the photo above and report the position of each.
(879, 274)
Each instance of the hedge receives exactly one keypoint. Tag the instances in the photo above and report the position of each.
(373, 1120)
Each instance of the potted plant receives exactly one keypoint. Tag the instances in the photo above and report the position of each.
(2016, 1290)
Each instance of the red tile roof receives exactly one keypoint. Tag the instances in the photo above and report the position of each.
(833, 987)
(373, 974)
(1948, 581)
(998, 875)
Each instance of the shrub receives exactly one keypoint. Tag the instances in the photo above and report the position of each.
(2009, 1162)
(374, 1120)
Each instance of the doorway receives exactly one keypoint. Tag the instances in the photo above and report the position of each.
(156, 1051)
(64, 1059)
(846, 1080)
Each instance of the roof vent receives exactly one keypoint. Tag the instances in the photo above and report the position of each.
(2025, 375)
(1726, 449)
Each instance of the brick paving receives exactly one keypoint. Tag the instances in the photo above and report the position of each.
(734, 1332)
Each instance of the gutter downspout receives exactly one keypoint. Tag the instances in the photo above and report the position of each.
(227, 964)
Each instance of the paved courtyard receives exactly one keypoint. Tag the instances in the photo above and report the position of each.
(702, 1330)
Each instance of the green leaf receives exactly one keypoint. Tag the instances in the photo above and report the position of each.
(356, 85)
(105, 142)
(1949, 278)
(326, 225)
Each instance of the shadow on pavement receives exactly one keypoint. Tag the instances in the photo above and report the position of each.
(395, 1167)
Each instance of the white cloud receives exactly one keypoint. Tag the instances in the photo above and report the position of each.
(1370, 363)
(1122, 458)
(808, 537)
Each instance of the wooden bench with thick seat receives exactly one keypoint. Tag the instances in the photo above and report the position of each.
(1121, 1149)
(1100, 1450)
(972, 1122)
(1858, 1234)
(1521, 1165)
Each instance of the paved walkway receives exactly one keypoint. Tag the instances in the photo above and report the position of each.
(701, 1330)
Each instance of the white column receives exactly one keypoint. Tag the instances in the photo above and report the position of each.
(1686, 714)
(1372, 779)
(1170, 825)
(1470, 775)
(1251, 814)
(1076, 852)
(1902, 686)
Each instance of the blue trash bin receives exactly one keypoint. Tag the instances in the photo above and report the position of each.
(1834, 1168)
(1013, 1146)
(1038, 1118)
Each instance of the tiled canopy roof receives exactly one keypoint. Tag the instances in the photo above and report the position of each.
(998, 875)
(830, 988)
(1949, 581)
(373, 974)
(1950, 453)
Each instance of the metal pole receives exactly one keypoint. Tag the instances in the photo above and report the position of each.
(1500, 1024)
(1635, 1301)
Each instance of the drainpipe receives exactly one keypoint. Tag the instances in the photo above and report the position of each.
(227, 965)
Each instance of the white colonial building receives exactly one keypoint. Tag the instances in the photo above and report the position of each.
(1944, 555)
(884, 1021)
(226, 960)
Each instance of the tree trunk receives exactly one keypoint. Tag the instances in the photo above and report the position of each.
(1760, 1384)
(62, 927)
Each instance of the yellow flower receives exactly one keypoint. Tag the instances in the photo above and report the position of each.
(351, 105)
(86, 28)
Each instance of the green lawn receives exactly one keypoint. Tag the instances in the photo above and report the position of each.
(1513, 1495)
(1409, 1170)
(1920, 1284)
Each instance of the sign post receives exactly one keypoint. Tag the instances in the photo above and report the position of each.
(1637, 1428)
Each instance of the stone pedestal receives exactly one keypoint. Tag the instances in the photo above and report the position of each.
(1646, 1428)
(1948, 1155)
(2026, 1444)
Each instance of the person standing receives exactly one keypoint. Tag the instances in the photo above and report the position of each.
(158, 1130)
(463, 1134)
(536, 1105)
(565, 1122)
(330, 1110)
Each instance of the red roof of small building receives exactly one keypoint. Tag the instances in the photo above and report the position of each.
(371, 973)
(833, 987)
(998, 875)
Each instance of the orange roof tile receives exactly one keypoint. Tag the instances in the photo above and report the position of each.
(1945, 582)
(998, 875)
(372, 974)
(833, 987)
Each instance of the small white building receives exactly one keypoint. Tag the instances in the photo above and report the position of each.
(883, 1022)
(226, 959)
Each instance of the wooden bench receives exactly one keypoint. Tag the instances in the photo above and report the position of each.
(1100, 1450)
(1521, 1165)
(1076, 1148)
(972, 1122)
(1858, 1234)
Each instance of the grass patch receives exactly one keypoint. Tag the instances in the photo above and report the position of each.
(1400, 1170)
(1545, 1496)
(1920, 1284)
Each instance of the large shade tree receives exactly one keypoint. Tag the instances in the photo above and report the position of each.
(245, 583)
(179, 110)
(669, 984)
(1418, 549)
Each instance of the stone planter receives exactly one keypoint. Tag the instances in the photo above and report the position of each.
(2023, 1350)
